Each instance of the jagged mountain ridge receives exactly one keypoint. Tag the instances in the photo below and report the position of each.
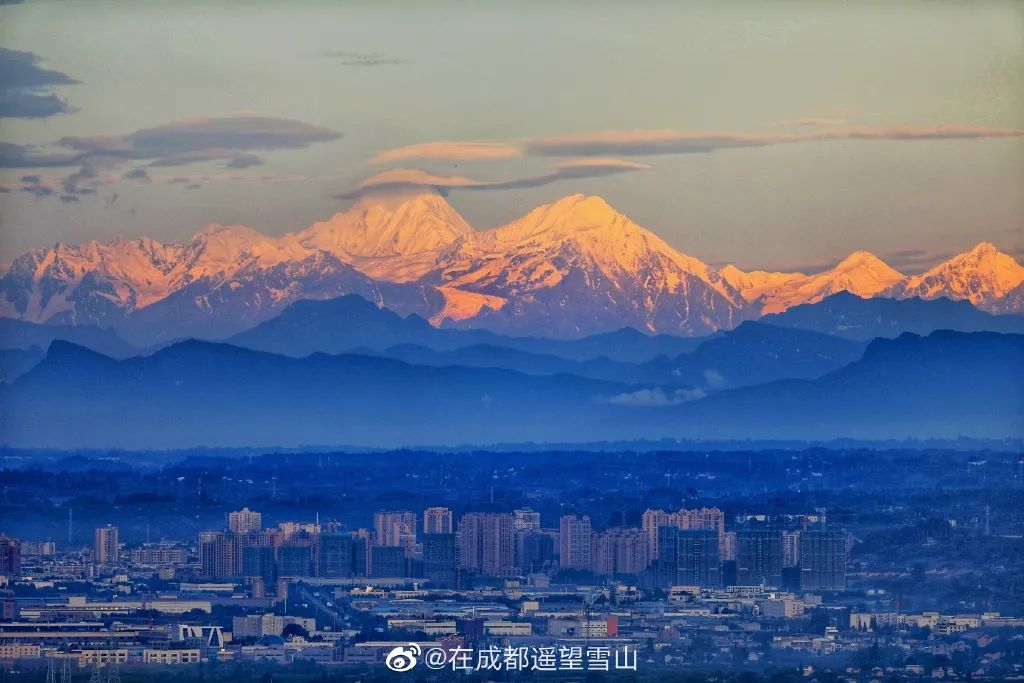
(984, 276)
(861, 273)
(578, 265)
(566, 269)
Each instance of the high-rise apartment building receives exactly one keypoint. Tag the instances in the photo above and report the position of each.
(395, 529)
(244, 520)
(294, 561)
(439, 559)
(688, 557)
(337, 552)
(260, 562)
(790, 549)
(535, 550)
(361, 542)
(620, 551)
(727, 546)
(823, 560)
(487, 543)
(699, 518)
(388, 561)
(10, 556)
(437, 521)
(759, 558)
(574, 542)
(653, 520)
(217, 554)
(106, 545)
(526, 519)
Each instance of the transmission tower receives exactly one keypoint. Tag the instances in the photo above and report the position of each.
(65, 667)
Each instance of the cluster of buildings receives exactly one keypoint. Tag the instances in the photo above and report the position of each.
(685, 547)
(683, 587)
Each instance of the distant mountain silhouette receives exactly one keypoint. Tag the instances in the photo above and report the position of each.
(753, 353)
(21, 334)
(850, 316)
(941, 386)
(205, 393)
(350, 322)
(540, 364)
(16, 362)
(945, 385)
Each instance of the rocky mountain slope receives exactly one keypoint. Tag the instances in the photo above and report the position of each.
(570, 268)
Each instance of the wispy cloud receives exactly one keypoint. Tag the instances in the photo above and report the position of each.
(351, 58)
(35, 186)
(823, 116)
(139, 174)
(412, 179)
(451, 151)
(653, 142)
(818, 121)
(26, 89)
(231, 139)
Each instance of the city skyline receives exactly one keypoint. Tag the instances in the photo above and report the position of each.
(768, 561)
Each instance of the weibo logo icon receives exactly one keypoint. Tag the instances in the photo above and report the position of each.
(403, 657)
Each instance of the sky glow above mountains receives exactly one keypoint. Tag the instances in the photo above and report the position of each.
(783, 140)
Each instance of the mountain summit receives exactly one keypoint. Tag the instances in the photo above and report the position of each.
(573, 267)
(389, 238)
(861, 273)
(983, 276)
(578, 265)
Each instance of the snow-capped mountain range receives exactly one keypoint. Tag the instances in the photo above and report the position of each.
(573, 267)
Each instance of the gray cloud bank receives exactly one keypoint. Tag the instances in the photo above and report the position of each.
(26, 89)
(232, 139)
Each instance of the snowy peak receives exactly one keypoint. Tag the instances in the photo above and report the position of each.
(572, 267)
(579, 260)
(573, 213)
(119, 274)
(221, 251)
(391, 238)
(573, 232)
(982, 276)
(861, 273)
(867, 262)
(984, 250)
(754, 284)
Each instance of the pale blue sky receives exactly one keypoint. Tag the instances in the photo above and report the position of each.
(386, 75)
